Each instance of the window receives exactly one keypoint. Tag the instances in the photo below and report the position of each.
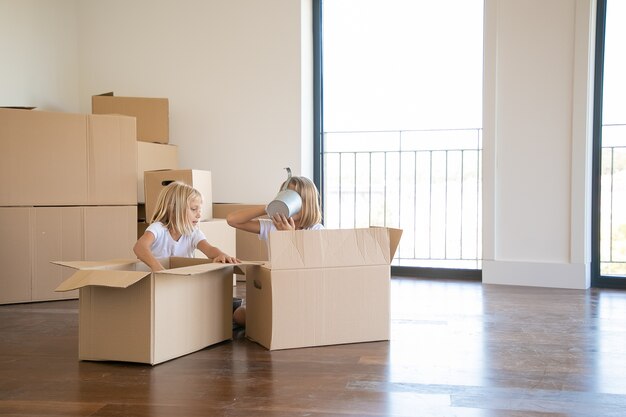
(400, 130)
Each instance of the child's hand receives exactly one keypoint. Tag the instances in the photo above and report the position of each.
(283, 223)
(225, 259)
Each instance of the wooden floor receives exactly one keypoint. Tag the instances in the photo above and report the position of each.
(457, 349)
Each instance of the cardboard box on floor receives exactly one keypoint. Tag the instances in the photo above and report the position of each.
(33, 236)
(127, 313)
(323, 287)
(153, 156)
(155, 181)
(152, 114)
(63, 159)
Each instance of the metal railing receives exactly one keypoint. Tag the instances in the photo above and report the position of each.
(613, 201)
(427, 182)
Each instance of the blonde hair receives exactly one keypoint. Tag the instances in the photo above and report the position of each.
(311, 212)
(171, 207)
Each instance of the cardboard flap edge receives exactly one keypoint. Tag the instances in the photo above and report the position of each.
(104, 278)
(213, 266)
(394, 240)
(94, 264)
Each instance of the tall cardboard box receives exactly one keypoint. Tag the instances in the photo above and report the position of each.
(152, 114)
(218, 233)
(249, 246)
(153, 156)
(16, 255)
(127, 313)
(31, 237)
(323, 287)
(155, 181)
(62, 159)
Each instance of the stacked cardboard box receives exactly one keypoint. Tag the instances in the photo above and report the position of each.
(152, 114)
(69, 190)
(248, 245)
(153, 149)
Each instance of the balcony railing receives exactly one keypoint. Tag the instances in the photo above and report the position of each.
(613, 201)
(427, 182)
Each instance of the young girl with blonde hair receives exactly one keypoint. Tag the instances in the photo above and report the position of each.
(309, 217)
(173, 229)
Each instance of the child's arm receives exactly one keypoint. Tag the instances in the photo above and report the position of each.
(246, 219)
(144, 254)
(215, 253)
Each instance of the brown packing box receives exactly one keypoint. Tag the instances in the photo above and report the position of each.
(218, 233)
(155, 181)
(153, 120)
(153, 156)
(323, 287)
(141, 228)
(127, 313)
(33, 236)
(249, 246)
(61, 159)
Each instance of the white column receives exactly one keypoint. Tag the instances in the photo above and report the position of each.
(538, 93)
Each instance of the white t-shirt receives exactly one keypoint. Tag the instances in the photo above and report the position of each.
(165, 246)
(267, 226)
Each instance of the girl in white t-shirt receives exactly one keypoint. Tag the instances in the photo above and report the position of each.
(309, 217)
(173, 229)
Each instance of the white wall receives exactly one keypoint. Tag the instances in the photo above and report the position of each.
(537, 142)
(39, 54)
(232, 71)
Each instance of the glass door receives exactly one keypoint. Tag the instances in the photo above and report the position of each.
(609, 216)
(400, 131)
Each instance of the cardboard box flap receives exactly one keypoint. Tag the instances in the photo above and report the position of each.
(394, 240)
(104, 278)
(330, 248)
(205, 267)
(96, 264)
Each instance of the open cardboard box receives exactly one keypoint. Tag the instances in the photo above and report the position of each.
(128, 313)
(323, 287)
